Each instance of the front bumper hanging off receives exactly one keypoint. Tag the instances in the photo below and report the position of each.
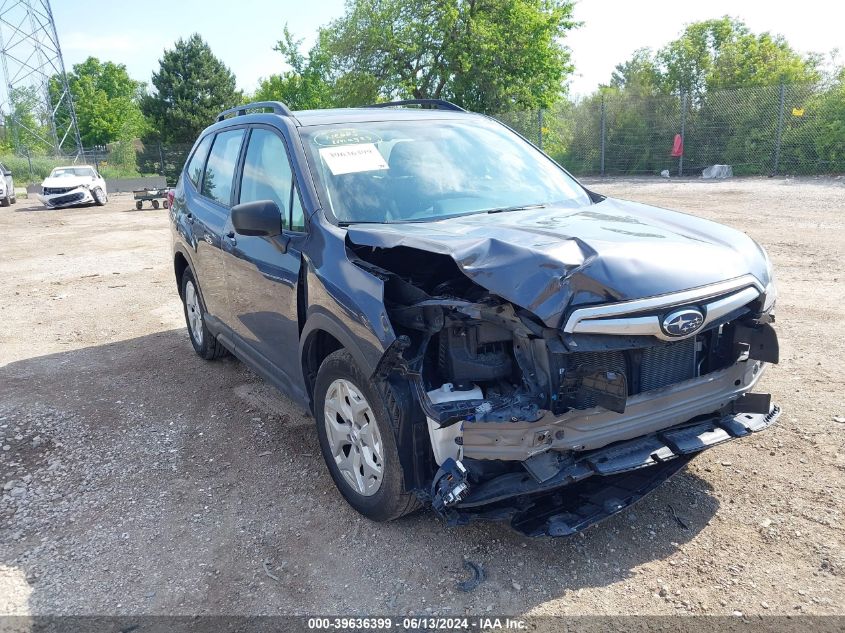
(559, 495)
(73, 197)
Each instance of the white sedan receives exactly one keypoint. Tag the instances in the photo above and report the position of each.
(69, 186)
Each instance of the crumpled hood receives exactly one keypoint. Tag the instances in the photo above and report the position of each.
(550, 260)
(66, 182)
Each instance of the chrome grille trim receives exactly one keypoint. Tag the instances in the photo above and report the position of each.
(612, 318)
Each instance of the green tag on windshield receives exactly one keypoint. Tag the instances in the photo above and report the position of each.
(346, 136)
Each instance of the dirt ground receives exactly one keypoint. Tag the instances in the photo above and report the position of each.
(138, 478)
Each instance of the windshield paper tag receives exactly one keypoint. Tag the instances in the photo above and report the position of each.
(350, 159)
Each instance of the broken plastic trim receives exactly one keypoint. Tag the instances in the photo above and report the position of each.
(600, 483)
(393, 360)
(449, 413)
(449, 485)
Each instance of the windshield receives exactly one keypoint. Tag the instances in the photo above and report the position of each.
(72, 172)
(407, 171)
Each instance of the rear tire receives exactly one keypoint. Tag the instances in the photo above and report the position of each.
(356, 438)
(99, 196)
(155, 204)
(204, 342)
(5, 202)
(139, 205)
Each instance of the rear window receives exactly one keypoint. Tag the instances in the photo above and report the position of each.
(220, 168)
(195, 165)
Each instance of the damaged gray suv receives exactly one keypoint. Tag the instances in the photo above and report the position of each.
(472, 329)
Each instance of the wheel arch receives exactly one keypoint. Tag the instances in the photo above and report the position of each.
(181, 262)
(321, 336)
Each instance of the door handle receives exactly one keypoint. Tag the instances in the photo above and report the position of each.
(189, 217)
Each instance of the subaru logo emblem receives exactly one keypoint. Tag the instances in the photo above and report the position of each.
(683, 322)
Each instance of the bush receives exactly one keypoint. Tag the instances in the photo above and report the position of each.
(41, 167)
(116, 171)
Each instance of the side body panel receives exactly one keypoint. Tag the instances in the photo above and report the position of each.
(280, 292)
(262, 276)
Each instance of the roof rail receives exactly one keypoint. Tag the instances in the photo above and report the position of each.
(277, 106)
(437, 104)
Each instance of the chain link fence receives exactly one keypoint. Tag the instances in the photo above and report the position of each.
(787, 129)
(124, 159)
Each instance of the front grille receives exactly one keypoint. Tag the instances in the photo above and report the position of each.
(645, 369)
(74, 197)
(54, 191)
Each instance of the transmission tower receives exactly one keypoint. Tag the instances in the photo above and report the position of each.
(32, 59)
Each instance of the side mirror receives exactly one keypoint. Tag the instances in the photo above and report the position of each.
(259, 218)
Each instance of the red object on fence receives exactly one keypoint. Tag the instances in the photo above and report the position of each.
(678, 146)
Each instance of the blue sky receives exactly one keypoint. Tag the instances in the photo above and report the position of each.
(243, 37)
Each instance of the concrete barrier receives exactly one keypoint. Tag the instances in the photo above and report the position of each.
(122, 185)
(119, 185)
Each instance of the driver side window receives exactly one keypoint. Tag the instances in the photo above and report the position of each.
(267, 175)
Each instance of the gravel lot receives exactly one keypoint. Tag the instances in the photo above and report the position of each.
(138, 478)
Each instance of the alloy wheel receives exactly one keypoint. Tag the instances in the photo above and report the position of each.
(354, 438)
(194, 312)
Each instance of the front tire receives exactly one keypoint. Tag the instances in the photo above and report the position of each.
(99, 196)
(204, 342)
(5, 202)
(355, 418)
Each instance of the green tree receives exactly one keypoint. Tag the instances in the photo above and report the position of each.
(487, 55)
(192, 87)
(731, 77)
(830, 139)
(639, 75)
(106, 100)
(29, 131)
(306, 85)
(750, 60)
(723, 53)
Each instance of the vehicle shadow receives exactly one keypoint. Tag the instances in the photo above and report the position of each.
(158, 483)
(26, 205)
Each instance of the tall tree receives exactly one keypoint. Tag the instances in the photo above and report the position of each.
(731, 76)
(724, 53)
(714, 55)
(639, 75)
(192, 87)
(30, 131)
(106, 100)
(487, 55)
(306, 85)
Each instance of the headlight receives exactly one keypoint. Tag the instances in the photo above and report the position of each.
(771, 291)
(83, 186)
(771, 297)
